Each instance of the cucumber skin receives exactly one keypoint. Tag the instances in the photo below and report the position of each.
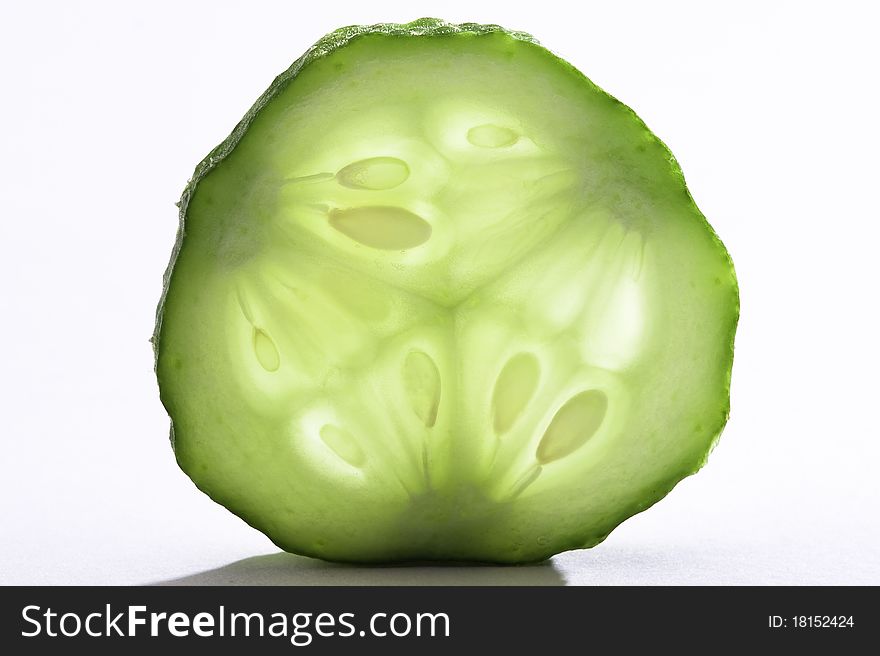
(434, 27)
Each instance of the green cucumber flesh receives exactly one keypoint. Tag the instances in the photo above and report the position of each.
(439, 296)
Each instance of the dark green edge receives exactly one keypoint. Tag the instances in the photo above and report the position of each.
(439, 27)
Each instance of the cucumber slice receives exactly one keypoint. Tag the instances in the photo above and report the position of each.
(438, 296)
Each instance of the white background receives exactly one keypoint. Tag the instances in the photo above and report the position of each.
(771, 109)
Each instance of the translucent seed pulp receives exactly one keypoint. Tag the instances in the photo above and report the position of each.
(579, 295)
